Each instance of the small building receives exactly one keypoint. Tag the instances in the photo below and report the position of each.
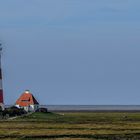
(28, 102)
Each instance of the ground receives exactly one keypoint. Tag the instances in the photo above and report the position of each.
(72, 126)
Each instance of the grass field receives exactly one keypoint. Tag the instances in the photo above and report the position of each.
(72, 126)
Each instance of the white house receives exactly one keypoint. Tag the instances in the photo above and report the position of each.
(27, 101)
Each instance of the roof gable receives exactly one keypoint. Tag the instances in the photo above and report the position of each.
(26, 99)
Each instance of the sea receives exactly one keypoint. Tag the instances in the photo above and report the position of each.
(92, 107)
(88, 108)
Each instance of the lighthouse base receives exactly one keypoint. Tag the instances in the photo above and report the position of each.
(2, 106)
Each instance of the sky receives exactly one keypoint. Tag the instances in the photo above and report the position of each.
(74, 52)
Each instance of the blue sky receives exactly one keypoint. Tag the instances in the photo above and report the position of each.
(71, 51)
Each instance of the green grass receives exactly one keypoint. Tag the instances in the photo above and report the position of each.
(72, 126)
(78, 117)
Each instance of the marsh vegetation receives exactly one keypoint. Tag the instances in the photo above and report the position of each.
(72, 126)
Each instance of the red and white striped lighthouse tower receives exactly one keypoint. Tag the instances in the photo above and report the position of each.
(1, 87)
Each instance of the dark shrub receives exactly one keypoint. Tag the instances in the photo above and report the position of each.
(43, 110)
(14, 111)
(0, 109)
(1, 114)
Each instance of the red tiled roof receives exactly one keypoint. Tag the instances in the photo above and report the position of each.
(26, 99)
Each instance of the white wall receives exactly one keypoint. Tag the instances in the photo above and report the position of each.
(31, 108)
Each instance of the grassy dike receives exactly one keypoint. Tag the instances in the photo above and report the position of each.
(72, 126)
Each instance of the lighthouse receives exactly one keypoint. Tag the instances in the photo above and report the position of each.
(1, 87)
